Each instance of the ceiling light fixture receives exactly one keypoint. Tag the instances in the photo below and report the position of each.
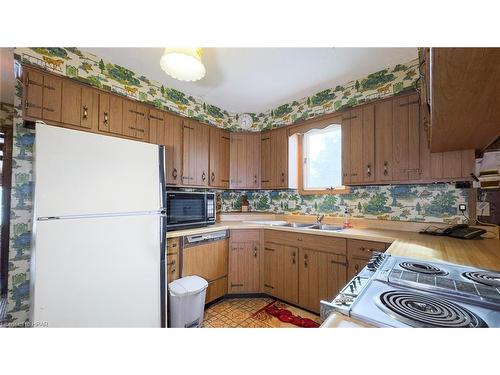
(183, 64)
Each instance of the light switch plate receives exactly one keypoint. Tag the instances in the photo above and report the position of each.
(483, 209)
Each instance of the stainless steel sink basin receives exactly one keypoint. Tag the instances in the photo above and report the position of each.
(296, 225)
(325, 227)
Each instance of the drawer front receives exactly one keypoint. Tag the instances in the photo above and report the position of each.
(173, 245)
(283, 238)
(216, 289)
(172, 268)
(325, 243)
(364, 249)
(244, 235)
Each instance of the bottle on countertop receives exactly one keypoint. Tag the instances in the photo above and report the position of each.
(347, 223)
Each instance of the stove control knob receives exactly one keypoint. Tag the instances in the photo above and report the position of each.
(351, 287)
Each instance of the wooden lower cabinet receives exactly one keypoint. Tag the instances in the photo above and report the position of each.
(244, 262)
(321, 276)
(281, 273)
(172, 266)
(216, 289)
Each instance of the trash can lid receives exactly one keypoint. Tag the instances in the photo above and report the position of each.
(188, 285)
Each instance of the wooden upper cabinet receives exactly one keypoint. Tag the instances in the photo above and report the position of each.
(195, 155)
(274, 158)
(135, 120)
(33, 93)
(219, 157)
(43, 96)
(110, 114)
(346, 149)
(356, 145)
(406, 138)
(52, 98)
(166, 130)
(383, 141)
(245, 161)
(80, 105)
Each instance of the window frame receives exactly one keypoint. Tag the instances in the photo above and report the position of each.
(300, 160)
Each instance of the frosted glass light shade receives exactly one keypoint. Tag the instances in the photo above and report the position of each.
(183, 64)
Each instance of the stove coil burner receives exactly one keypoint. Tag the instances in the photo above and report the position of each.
(426, 268)
(485, 278)
(419, 310)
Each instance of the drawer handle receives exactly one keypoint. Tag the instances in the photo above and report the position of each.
(255, 251)
(136, 129)
(155, 117)
(49, 87)
(213, 176)
(203, 176)
(306, 260)
(269, 286)
(106, 118)
(48, 109)
(174, 173)
(268, 249)
(236, 285)
(368, 249)
(85, 112)
(172, 264)
(293, 257)
(31, 105)
(386, 164)
(369, 170)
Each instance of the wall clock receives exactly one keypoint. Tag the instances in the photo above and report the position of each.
(245, 121)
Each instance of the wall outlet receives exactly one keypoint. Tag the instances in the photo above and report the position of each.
(291, 205)
(483, 208)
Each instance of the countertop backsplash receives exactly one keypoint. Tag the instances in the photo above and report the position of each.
(425, 203)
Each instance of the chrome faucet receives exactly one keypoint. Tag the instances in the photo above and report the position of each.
(319, 218)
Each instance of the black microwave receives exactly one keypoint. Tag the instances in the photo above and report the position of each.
(190, 209)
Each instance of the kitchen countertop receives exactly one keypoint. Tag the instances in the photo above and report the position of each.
(484, 253)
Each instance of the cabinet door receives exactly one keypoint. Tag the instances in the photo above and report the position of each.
(332, 275)
(200, 153)
(237, 161)
(243, 267)
(266, 167)
(89, 108)
(219, 158)
(110, 114)
(273, 274)
(280, 152)
(383, 141)
(171, 136)
(309, 279)
(52, 98)
(71, 113)
(33, 93)
(289, 266)
(346, 147)
(368, 167)
(251, 163)
(356, 145)
(129, 118)
(188, 153)
(142, 123)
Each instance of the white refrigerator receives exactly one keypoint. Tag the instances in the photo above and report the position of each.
(98, 256)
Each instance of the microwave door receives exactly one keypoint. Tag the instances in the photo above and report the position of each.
(186, 209)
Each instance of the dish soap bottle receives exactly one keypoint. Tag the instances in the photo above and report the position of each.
(347, 223)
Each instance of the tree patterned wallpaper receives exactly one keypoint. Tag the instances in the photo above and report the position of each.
(424, 203)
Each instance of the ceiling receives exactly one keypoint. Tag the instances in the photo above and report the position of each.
(258, 79)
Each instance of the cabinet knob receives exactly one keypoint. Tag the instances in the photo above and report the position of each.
(293, 257)
(386, 172)
(255, 251)
(106, 119)
(174, 173)
(369, 170)
(203, 176)
(85, 112)
(306, 260)
(213, 176)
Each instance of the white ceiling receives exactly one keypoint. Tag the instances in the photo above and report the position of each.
(258, 79)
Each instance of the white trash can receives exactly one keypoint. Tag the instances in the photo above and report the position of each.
(187, 301)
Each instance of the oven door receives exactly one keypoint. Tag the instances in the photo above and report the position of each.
(186, 209)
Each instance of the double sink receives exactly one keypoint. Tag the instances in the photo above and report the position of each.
(279, 223)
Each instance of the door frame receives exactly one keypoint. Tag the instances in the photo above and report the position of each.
(5, 212)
